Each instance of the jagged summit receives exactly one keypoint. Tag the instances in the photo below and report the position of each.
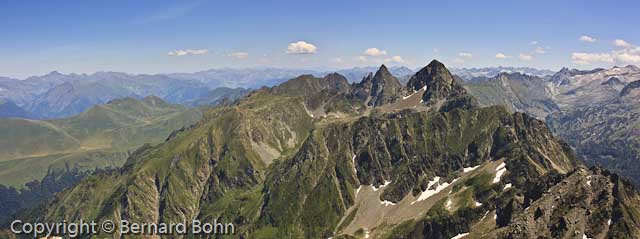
(432, 74)
(378, 89)
(439, 86)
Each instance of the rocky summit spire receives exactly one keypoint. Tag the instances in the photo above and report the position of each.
(379, 88)
(438, 84)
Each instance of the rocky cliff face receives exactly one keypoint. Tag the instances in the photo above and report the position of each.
(276, 170)
(379, 89)
(438, 83)
(517, 92)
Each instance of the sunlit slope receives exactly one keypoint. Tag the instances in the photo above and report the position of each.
(101, 136)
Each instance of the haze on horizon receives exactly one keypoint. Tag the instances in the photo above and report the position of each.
(187, 36)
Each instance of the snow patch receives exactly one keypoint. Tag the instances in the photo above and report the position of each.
(500, 170)
(589, 180)
(409, 96)
(430, 192)
(469, 169)
(507, 186)
(381, 186)
(609, 222)
(461, 235)
(366, 233)
(387, 203)
(358, 190)
(478, 204)
(353, 160)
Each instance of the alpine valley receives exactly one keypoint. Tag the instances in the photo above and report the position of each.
(320, 157)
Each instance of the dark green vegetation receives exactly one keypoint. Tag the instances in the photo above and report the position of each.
(293, 160)
(37, 191)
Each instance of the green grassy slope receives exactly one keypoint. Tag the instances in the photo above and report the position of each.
(101, 136)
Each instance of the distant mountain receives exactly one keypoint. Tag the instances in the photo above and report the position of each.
(57, 95)
(98, 137)
(573, 89)
(254, 78)
(8, 109)
(600, 117)
(516, 91)
(468, 74)
(562, 77)
(218, 96)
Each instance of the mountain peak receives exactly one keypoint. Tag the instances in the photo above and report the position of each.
(383, 71)
(440, 86)
(434, 73)
(436, 63)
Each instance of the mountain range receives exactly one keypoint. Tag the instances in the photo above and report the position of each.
(596, 111)
(57, 95)
(477, 74)
(319, 157)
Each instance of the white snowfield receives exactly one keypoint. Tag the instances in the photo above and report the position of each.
(409, 96)
(430, 192)
(500, 170)
(469, 169)
(461, 235)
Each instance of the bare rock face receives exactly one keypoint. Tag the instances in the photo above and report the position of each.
(439, 83)
(379, 89)
(631, 89)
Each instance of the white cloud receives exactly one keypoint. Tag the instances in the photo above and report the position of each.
(589, 39)
(375, 52)
(185, 52)
(501, 56)
(628, 58)
(301, 47)
(396, 59)
(458, 60)
(540, 50)
(582, 58)
(465, 55)
(238, 55)
(628, 54)
(534, 43)
(362, 58)
(525, 57)
(622, 43)
(338, 60)
(436, 50)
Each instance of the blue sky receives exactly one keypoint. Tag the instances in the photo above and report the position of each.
(181, 36)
